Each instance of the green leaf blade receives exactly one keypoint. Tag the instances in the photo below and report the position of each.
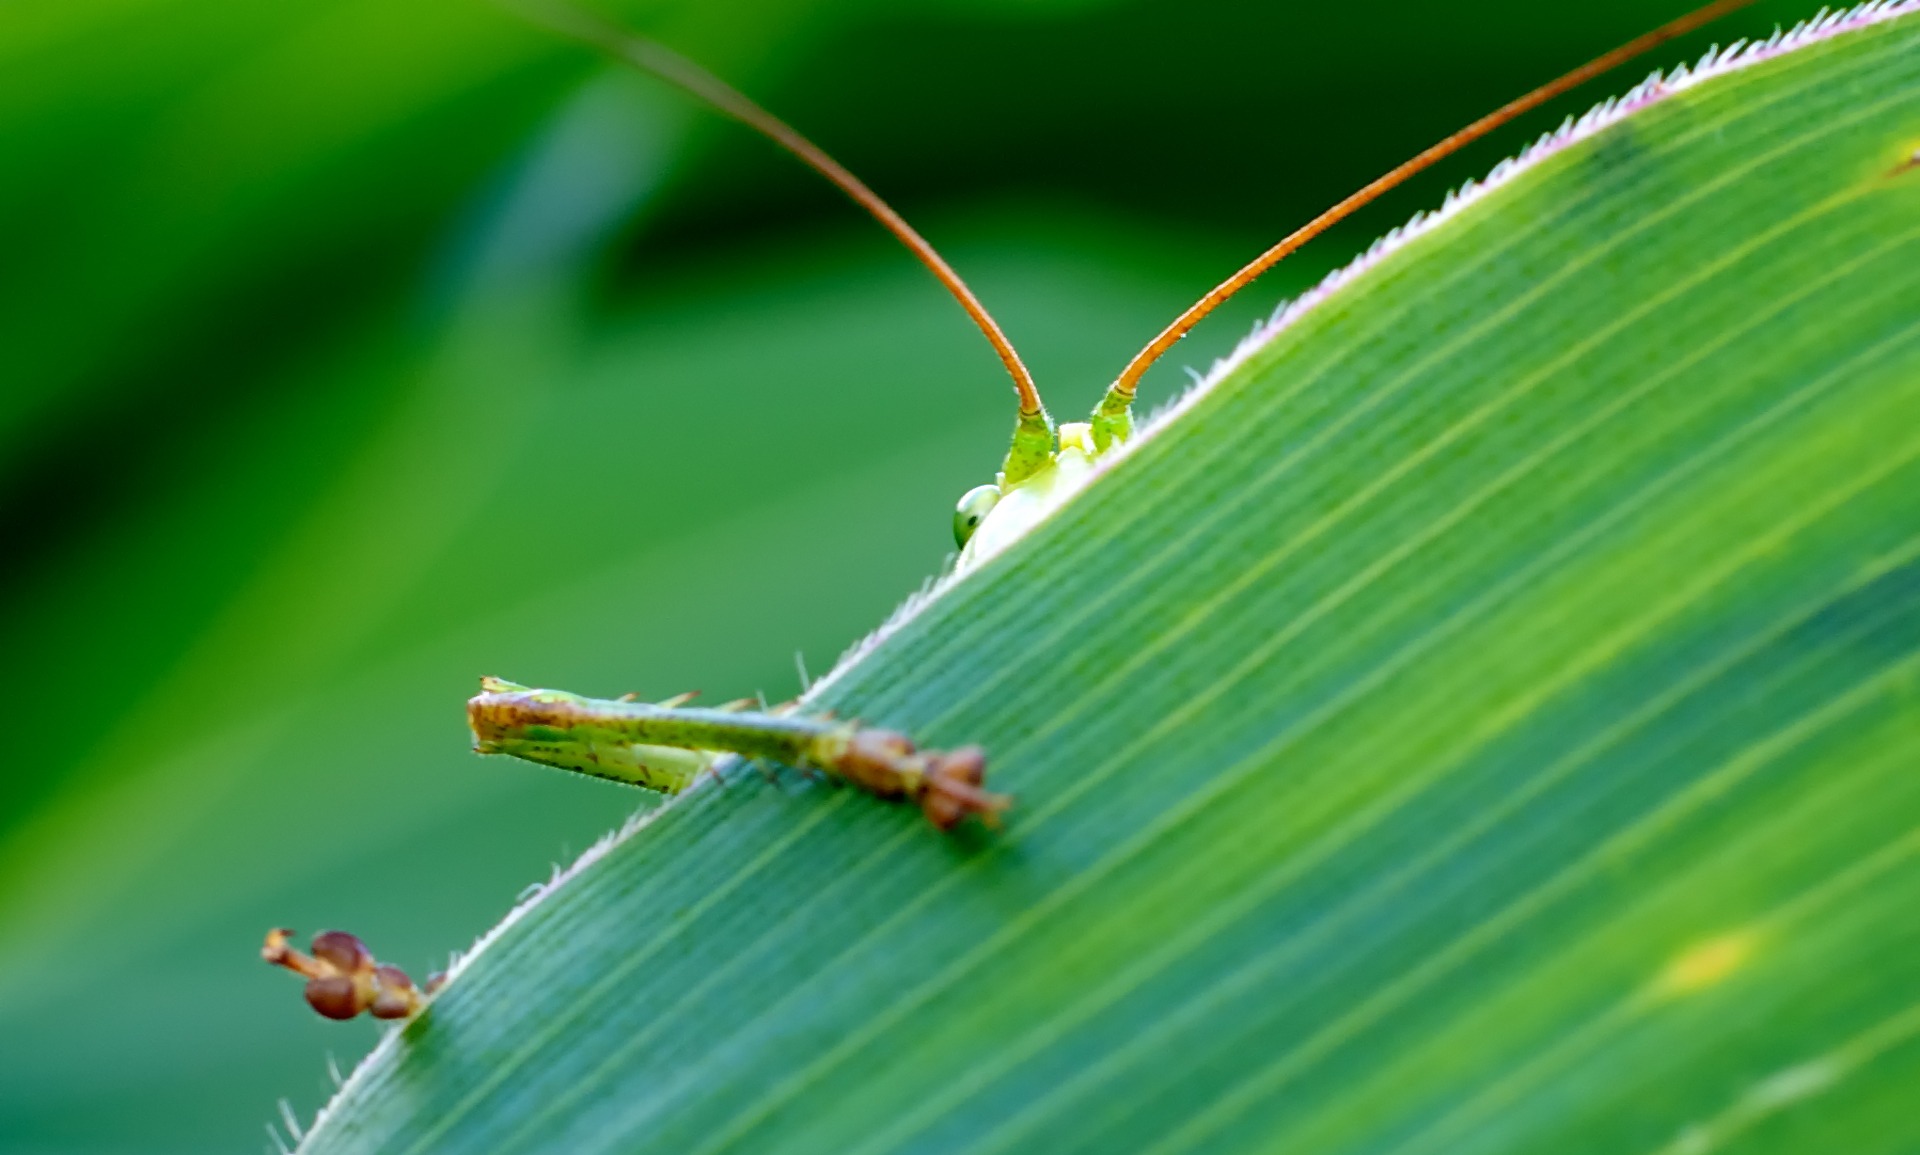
(1481, 722)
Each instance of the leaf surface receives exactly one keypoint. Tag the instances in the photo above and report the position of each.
(1483, 720)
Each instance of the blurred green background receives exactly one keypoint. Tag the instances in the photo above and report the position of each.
(350, 349)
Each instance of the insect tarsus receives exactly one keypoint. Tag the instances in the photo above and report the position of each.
(343, 978)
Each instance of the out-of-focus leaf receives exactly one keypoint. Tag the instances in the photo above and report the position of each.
(183, 176)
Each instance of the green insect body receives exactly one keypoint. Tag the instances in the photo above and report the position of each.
(1044, 468)
(667, 746)
(992, 517)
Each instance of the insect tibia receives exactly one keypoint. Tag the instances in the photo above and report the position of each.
(343, 980)
(1032, 448)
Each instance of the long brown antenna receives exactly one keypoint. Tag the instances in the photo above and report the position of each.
(709, 89)
(1120, 394)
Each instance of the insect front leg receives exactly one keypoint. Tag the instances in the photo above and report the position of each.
(615, 739)
(344, 980)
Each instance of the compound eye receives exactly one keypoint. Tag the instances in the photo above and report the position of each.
(973, 509)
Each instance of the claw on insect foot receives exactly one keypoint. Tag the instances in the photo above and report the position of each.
(948, 786)
(343, 978)
(952, 789)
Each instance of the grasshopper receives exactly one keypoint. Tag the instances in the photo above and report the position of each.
(669, 746)
(1047, 464)
(666, 746)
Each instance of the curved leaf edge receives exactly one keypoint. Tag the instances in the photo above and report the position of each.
(1659, 86)
(1656, 88)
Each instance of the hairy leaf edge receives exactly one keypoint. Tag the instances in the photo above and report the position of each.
(1717, 62)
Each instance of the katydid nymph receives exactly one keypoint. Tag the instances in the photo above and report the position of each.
(669, 747)
(1043, 467)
